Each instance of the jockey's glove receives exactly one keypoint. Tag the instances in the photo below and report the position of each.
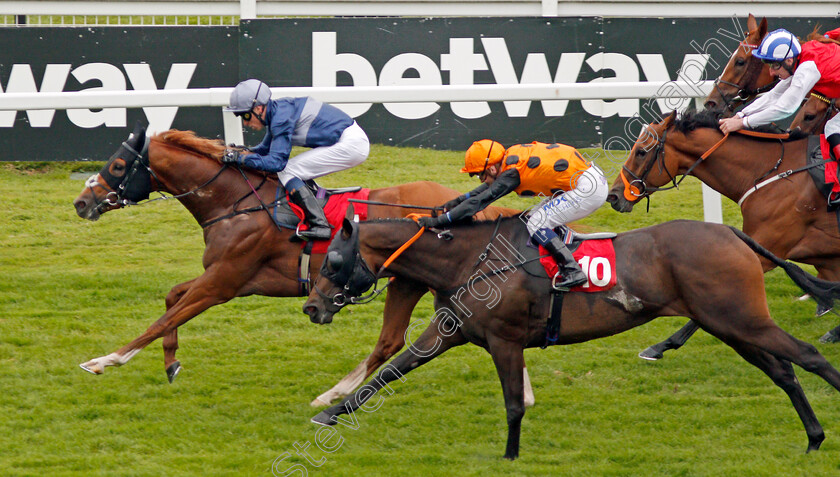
(231, 156)
(433, 222)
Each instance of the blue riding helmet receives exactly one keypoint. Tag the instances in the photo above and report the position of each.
(777, 46)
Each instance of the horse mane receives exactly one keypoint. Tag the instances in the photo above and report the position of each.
(691, 120)
(212, 148)
(819, 37)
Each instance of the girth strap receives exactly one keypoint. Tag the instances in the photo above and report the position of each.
(304, 275)
(552, 328)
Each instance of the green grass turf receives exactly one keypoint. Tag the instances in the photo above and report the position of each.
(72, 290)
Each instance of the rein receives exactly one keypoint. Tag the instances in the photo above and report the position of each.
(635, 192)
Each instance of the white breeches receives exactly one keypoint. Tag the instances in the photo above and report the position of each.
(590, 193)
(832, 126)
(351, 150)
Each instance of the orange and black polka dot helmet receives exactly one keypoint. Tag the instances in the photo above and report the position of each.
(482, 154)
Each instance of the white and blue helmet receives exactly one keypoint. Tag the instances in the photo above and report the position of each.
(778, 45)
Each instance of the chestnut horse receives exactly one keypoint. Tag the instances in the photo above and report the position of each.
(788, 216)
(810, 119)
(705, 271)
(245, 254)
(813, 115)
(744, 76)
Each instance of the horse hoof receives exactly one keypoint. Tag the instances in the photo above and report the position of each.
(822, 310)
(172, 371)
(830, 337)
(651, 354)
(92, 367)
(323, 419)
(318, 402)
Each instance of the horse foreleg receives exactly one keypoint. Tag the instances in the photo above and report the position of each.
(782, 374)
(509, 360)
(430, 344)
(170, 341)
(400, 301)
(675, 341)
(205, 293)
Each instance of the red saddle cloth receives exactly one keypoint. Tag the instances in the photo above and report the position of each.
(335, 209)
(597, 260)
(830, 167)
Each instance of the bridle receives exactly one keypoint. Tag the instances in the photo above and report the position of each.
(637, 187)
(355, 277)
(744, 94)
(118, 193)
(126, 192)
(832, 106)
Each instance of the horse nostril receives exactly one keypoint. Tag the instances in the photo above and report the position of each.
(79, 204)
(612, 198)
(710, 105)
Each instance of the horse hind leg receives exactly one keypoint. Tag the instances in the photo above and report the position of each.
(170, 341)
(782, 374)
(509, 359)
(675, 341)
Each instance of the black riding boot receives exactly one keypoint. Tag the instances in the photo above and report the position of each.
(834, 150)
(319, 228)
(569, 268)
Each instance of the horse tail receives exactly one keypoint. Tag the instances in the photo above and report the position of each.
(823, 291)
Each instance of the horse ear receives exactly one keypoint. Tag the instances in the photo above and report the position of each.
(139, 133)
(751, 23)
(347, 228)
(762, 29)
(670, 119)
(351, 212)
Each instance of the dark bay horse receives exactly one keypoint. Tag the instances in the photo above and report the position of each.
(245, 254)
(789, 217)
(681, 268)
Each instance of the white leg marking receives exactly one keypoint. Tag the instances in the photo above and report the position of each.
(529, 392)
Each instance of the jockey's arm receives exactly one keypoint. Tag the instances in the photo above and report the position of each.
(482, 196)
(454, 202)
(780, 106)
(274, 157)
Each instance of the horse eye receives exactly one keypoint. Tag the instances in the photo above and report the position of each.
(809, 117)
(641, 153)
(740, 62)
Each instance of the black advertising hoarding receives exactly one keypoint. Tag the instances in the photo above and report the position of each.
(367, 52)
(389, 51)
(114, 58)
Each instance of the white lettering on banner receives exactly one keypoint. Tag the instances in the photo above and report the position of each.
(326, 63)
(140, 76)
(462, 61)
(110, 78)
(393, 74)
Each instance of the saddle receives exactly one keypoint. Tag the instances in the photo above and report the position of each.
(821, 173)
(572, 239)
(282, 211)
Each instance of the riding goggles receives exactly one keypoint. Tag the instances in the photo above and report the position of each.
(246, 116)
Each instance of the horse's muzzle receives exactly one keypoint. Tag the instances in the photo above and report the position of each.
(317, 315)
(86, 209)
(619, 203)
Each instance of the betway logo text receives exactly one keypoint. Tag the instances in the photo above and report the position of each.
(463, 61)
(109, 78)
